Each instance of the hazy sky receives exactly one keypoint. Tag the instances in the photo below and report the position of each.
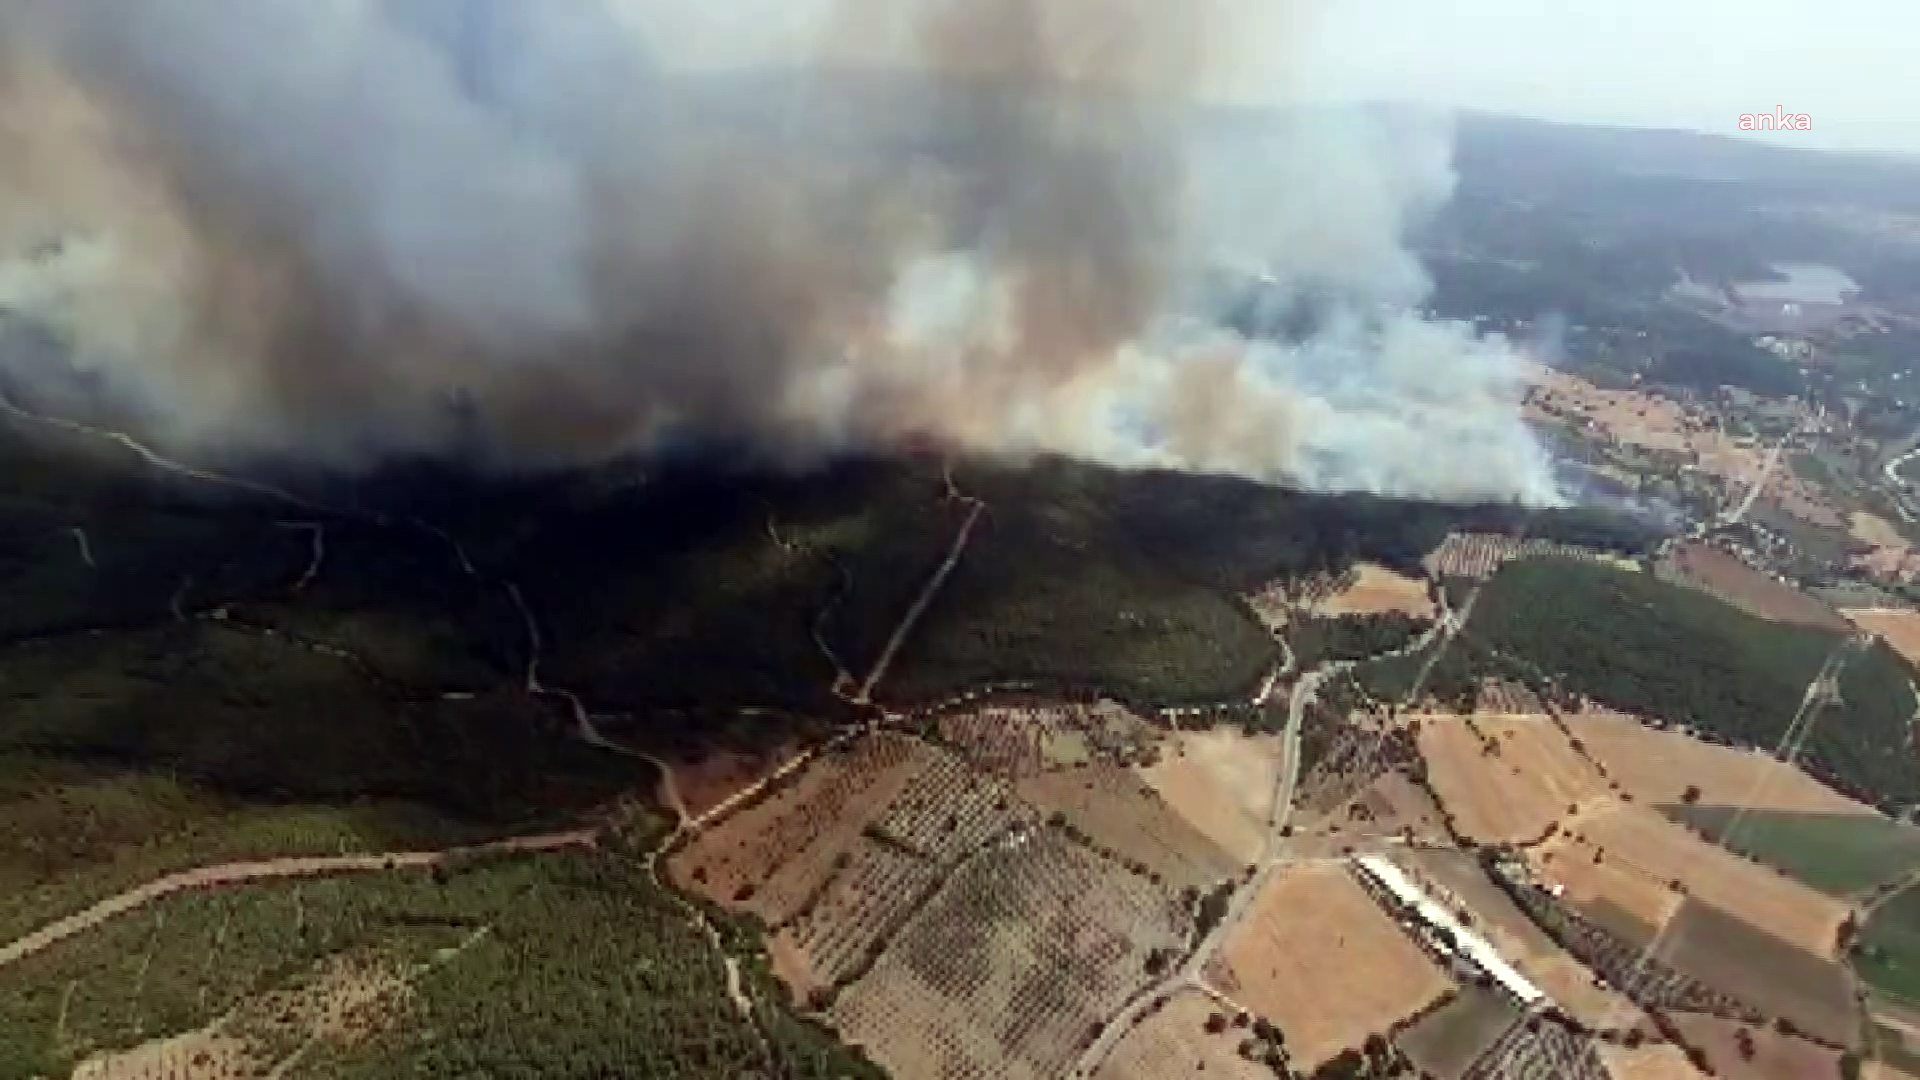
(1852, 65)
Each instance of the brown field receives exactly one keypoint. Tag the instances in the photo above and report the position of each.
(1393, 805)
(708, 781)
(1377, 590)
(1753, 592)
(1657, 767)
(1648, 1061)
(1002, 974)
(1529, 780)
(769, 856)
(1592, 887)
(1901, 629)
(1639, 840)
(1222, 782)
(1446, 1042)
(1118, 811)
(1318, 958)
(1762, 970)
(1174, 1042)
(868, 896)
(1457, 879)
(1775, 1056)
(1874, 1070)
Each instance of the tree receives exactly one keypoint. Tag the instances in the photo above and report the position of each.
(1691, 795)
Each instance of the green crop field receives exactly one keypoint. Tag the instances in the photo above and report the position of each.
(1843, 854)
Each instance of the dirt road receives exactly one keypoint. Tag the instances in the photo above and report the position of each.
(864, 695)
(242, 873)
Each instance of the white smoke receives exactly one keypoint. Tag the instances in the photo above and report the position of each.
(341, 229)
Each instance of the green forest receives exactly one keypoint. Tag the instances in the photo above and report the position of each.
(1674, 654)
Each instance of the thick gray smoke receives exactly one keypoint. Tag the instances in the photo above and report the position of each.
(343, 229)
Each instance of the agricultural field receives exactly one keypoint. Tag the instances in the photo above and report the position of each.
(1649, 648)
(1844, 855)
(1006, 970)
(1458, 880)
(1752, 591)
(1762, 970)
(1506, 779)
(1648, 1061)
(1899, 627)
(872, 890)
(770, 855)
(1888, 953)
(1761, 1053)
(1447, 1041)
(1174, 1041)
(1222, 782)
(1536, 1047)
(1120, 813)
(1319, 958)
(1016, 739)
(1372, 589)
(707, 781)
(1658, 767)
(1641, 841)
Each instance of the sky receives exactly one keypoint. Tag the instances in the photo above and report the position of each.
(1851, 65)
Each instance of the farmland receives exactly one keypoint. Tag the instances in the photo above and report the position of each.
(1888, 956)
(1752, 591)
(1447, 1041)
(1458, 877)
(1642, 842)
(1005, 969)
(1840, 854)
(1755, 1052)
(1899, 627)
(1762, 970)
(770, 855)
(1657, 767)
(1174, 1041)
(1279, 964)
(1118, 812)
(1371, 589)
(1505, 779)
(1222, 782)
(1653, 649)
(1648, 1061)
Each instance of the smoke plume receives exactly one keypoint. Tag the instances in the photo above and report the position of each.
(337, 230)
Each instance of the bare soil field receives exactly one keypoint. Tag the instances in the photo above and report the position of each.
(768, 856)
(1119, 812)
(1592, 888)
(1725, 576)
(1457, 879)
(711, 780)
(1901, 629)
(1775, 1056)
(1005, 971)
(1762, 970)
(1377, 590)
(1510, 779)
(1446, 1042)
(1174, 1042)
(1318, 958)
(1891, 557)
(1639, 840)
(1222, 782)
(1657, 767)
(1648, 1061)
(1393, 805)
